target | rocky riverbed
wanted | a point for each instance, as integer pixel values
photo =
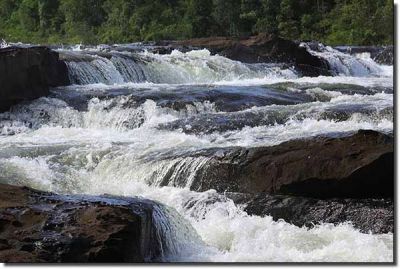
(165, 152)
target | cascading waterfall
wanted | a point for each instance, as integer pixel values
(130, 70)
(345, 64)
(130, 129)
(191, 67)
(98, 70)
(198, 66)
(175, 234)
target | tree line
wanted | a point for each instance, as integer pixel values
(351, 22)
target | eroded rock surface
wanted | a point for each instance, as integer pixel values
(43, 227)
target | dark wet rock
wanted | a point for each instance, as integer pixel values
(263, 48)
(385, 56)
(28, 73)
(43, 227)
(368, 215)
(355, 166)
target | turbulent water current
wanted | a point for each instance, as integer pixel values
(131, 116)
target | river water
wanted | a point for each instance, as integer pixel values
(130, 121)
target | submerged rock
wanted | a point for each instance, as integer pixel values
(28, 73)
(43, 227)
(263, 48)
(358, 166)
(368, 215)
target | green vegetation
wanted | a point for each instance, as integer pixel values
(352, 22)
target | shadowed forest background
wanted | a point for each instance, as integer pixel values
(334, 22)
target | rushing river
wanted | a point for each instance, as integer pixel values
(125, 126)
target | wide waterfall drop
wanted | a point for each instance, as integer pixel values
(197, 66)
(136, 123)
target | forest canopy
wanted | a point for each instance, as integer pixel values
(334, 22)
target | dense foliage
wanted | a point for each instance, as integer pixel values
(359, 22)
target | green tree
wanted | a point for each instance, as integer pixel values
(383, 22)
(288, 23)
(82, 19)
(117, 27)
(249, 13)
(267, 22)
(28, 15)
(199, 15)
(226, 14)
(355, 22)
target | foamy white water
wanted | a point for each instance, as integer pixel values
(118, 144)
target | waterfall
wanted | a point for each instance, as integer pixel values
(345, 64)
(98, 70)
(175, 235)
(97, 65)
(88, 67)
(130, 70)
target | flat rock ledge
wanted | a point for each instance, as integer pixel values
(359, 165)
(43, 227)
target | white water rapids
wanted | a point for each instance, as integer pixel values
(110, 132)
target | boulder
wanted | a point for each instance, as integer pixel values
(263, 48)
(367, 215)
(28, 73)
(357, 166)
(43, 227)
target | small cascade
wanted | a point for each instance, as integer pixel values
(98, 70)
(130, 70)
(177, 172)
(174, 234)
(345, 64)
